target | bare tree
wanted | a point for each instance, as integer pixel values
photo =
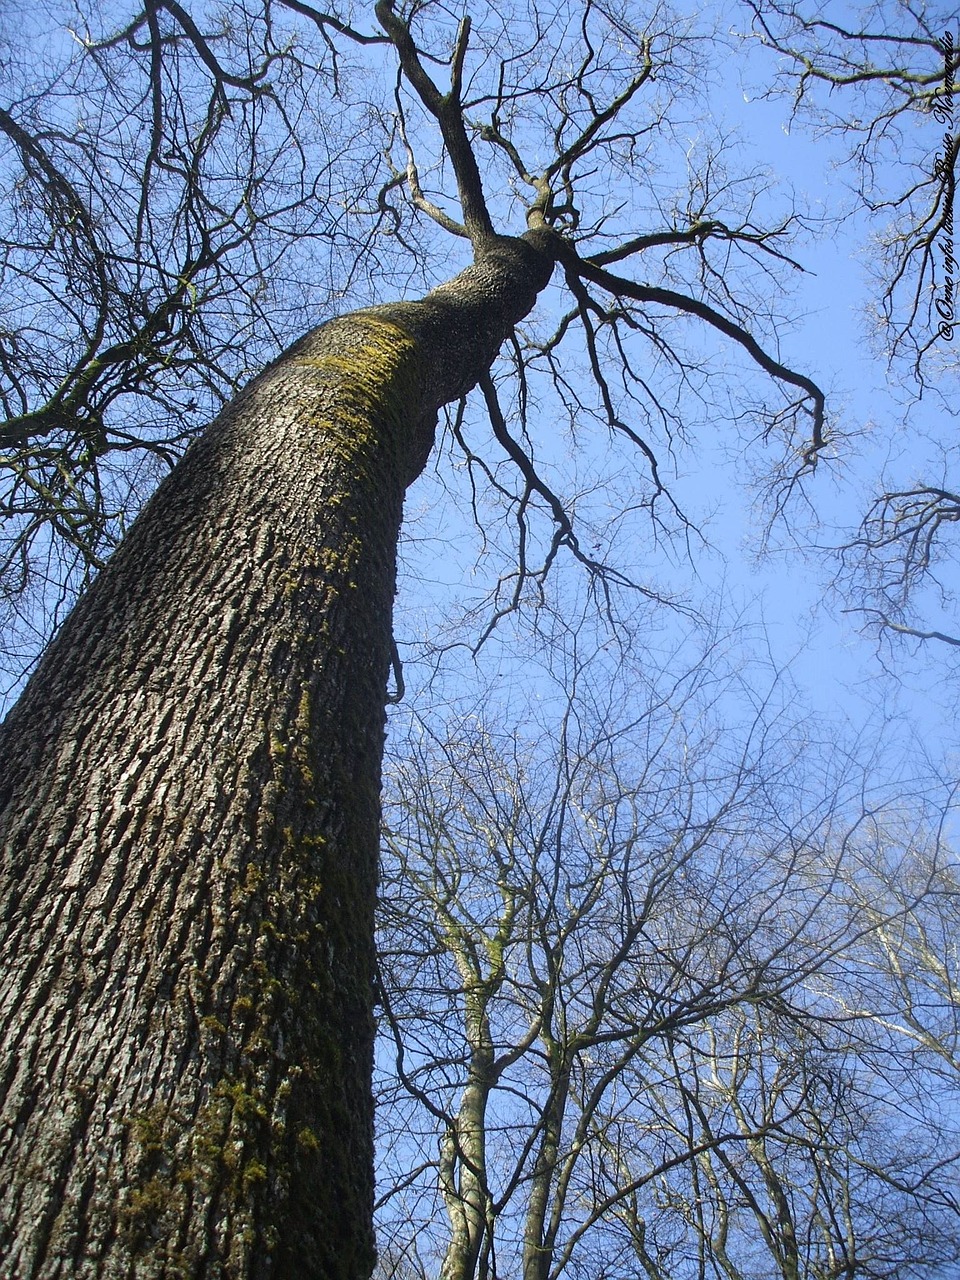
(606, 947)
(161, 249)
(886, 84)
(190, 780)
(788, 1160)
(871, 80)
(161, 187)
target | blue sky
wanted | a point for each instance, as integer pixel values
(780, 587)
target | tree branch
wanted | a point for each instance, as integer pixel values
(446, 110)
(623, 288)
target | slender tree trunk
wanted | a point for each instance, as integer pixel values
(463, 1184)
(538, 1236)
(189, 805)
(463, 1156)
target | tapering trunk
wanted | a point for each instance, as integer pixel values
(189, 805)
(463, 1167)
(539, 1234)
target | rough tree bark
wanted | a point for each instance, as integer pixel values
(189, 804)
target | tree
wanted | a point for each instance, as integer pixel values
(190, 780)
(885, 82)
(633, 1022)
(161, 205)
(871, 80)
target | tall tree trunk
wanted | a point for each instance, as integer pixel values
(539, 1235)
(189, 805)
(463, 1149)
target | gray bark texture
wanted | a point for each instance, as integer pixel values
(189, 808)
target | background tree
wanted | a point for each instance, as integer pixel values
(160, 203)
(885, 83)
(190, 780)
(633, 1022)
(883, 80)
